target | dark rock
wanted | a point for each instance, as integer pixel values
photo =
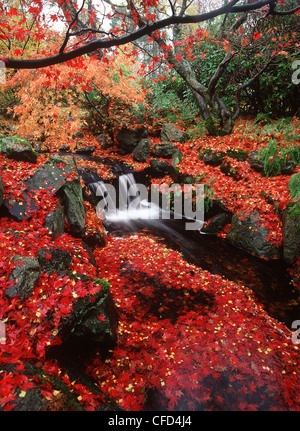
(72, 199)
(217, 223)
(240, 155)
(24, 275)
(105, 141)
(11, 128)
(40, 147)
(247, 233)
(86, 150)
(169, 132)
(213, 158)
(255, 162)
(19, 149)
(78, 135)
(142, 150)
(164, 150)
(174, 170)
(128, 139)
(50, 176)
(288, 168)
(22, 209)
(159, 168)
(82, 330)
(54, 259)
(65, 148)
(291, 233)
(55, 221)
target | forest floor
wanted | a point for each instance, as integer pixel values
(188, 339)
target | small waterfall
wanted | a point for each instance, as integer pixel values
(130, 202)
(127, 210)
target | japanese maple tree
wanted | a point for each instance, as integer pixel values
(90, 29)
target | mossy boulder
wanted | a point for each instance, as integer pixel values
(291, 233)
(23, 277)
(170, 132)
(93, 322)
(247, 233)
(210, 157)
(142, 150)
(18, 148)
(164, 149)
(53, 259)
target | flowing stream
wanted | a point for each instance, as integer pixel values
(268, 280)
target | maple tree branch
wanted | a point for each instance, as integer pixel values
(219, 72)
(148, 29)
(285, 12)
(67, 37)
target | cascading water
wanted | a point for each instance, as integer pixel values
(132, 204)
(126, 210)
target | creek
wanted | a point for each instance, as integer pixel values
(268, 280)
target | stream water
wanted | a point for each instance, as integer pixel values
(268, 280)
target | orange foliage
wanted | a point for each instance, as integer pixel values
(51, 99)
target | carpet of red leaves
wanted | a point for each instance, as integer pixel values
(188, 340)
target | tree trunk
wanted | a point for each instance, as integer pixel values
(217, 117)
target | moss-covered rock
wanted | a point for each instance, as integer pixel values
(142, 150)
(169, 132)
(53, 259)
(164, 149)
(291, 233)
(23, 277)
(93, 322)
(247, 233)
(18, 148)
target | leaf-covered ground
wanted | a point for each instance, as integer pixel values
(188, 339)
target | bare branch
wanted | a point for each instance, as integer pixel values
(148, 29)
(67, 37)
